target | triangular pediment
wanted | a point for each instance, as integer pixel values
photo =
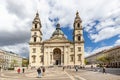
(57, 39)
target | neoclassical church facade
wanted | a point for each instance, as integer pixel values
(57, 50)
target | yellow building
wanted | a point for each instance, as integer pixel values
(9, 59)
(57, 50)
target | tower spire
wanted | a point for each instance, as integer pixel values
(36, 19)
(77, 18)
(37, 14)
(77, 13)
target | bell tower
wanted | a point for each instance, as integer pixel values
(78, 41)
(35, 44)
(36, 34)
(77, 33)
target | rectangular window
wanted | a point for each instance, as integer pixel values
(41, 58)
(34, 58)
(79, 49)
(34, 50)
(79, 57)
(71, 49)
(71, 58)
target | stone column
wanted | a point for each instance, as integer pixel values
(62, 58)
(51, 58)
(45, 57)
(75, 54)
(48, 58)
(45, 60)
(65, 56)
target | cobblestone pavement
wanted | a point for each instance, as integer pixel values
(58, 74)
(51, 74)
(94, 75)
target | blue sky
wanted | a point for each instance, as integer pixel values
(100, 21)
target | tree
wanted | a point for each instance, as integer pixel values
(1, 61)
(85, 61)
(103, 59)
(14, 63)
(25, 62)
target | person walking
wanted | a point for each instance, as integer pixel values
(23, 70)
(39, 72)
(76, 68)
(104, 71)
(0, 69)
(91, 66)
(43, 70)
(18, 70)
(63, 68)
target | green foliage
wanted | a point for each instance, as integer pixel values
(2, 60)
(85, 61)
(103, 59)
(10, 68)
(25, 63)
(14, 63)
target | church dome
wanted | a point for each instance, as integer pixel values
(58, 30)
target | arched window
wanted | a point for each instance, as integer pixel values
(79, 38)
(40, 39)
(78, 25)
(34, 39)
(35, 25)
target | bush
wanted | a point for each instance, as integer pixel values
(10, 68)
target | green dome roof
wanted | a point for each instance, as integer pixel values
(58, 31)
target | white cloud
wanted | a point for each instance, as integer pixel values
(21, 49)
(117, 42)
(119, 36)
(96, 50)
(18, 15)
(89, 50)
(105, 33)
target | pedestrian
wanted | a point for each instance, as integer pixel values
(104, 71)
(39, 72)
(0, 69)
(23, 70)
(91, 66)
(43, 70)
(18, 70)
(76, 68)
(63, 68)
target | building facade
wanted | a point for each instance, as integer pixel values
(57, 50)
(9, 60)
(109, 57)
(113, 55)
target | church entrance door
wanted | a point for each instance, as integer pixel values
(57, 56)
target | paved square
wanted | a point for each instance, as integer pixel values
(58, 74)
